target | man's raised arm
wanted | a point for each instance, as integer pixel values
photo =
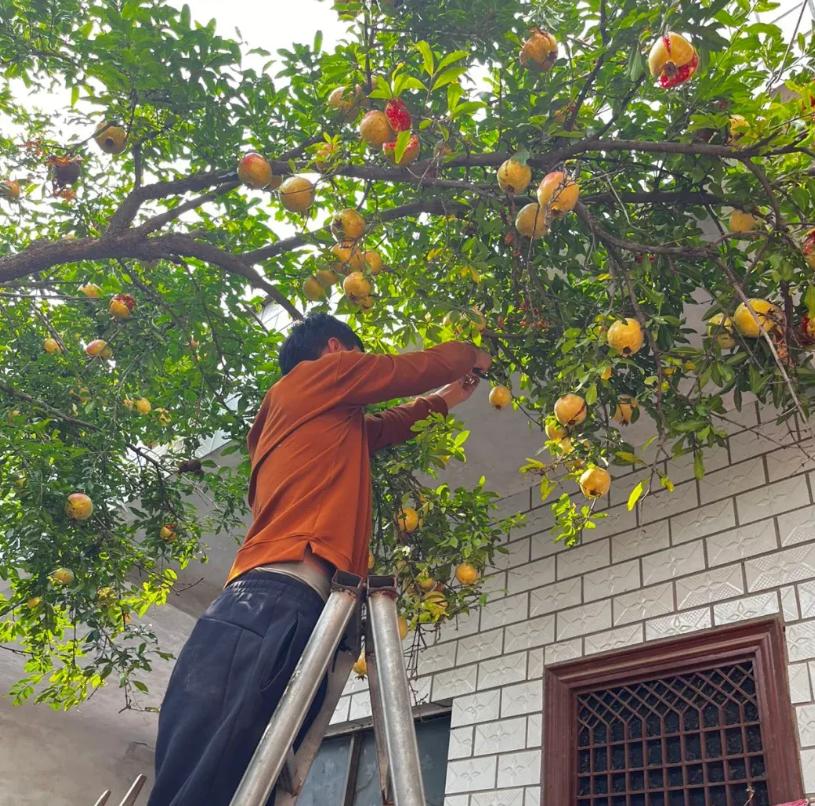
(364, 378)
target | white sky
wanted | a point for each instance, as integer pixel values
(270, 25)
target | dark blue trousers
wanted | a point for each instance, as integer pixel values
(227, 681)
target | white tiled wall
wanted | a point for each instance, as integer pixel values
(738, 545)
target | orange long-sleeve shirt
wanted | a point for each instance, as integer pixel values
(310, 446)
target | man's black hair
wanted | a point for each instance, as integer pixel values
(309, 338)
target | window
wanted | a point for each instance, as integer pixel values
(704, 720)
(345, 771)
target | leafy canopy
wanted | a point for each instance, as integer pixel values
(167, 222)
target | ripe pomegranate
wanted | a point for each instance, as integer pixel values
(539, 51)
(558, 194)
(410, 154)
(373, 261)
(347, 225)
(808, 248)
(500, 397)
(345, 101)
(466, 573)
(625, 336)
(79, 507)
(514, 176)
(721, 327)
(111, 139)
(255, 171)
(10, 189)
(297, 194)
(64, 171)
(806, 331)
(398, 115)
(595, 482)
(408, 520)
(51, 346)
(768, 316)
(531, 221)
(98, 348)
(375, 129)
(626, 409)
(742, 222)
(356, 286)
(348, 258)
(313, 289)
(673, 60)
(91, 290)
(121, 306)
(570, 410)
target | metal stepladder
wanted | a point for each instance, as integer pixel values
(337, 638)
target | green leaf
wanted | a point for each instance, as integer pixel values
(402, 141)
(446, 77)
(635, 495)
(427, 57)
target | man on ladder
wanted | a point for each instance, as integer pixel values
(310, 496)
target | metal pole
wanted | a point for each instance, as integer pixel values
(375, 692)
(277, 740)
(400, 733)
(103, 798)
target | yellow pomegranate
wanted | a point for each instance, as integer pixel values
(324, 155)
(673, 60)
(313, 289)
(403, 627)
(79, 507)
(111, 139)
(721, 327)
(768, 316)
(408, 520)
(425, 582)
(539, 51)
(606, 373)
(348, 258)
(348, 225)
(570, 410)
(371, 560)
(558, 194)
(626, 408)
(375, 130)
(373, 261)
(167, 533)
(10, 189)
(595, 482)
(98, 348)
(514, 176)
(297, 194)
(625, 336)
(531, 221)
(742, 222)
(345, 101)
(466, 573)
(62, 576)
(356, 286)
(737, 127)
(51, 346)
(555, 431)
(34, 602)
(361, 666)
(326, 277)
(364, 303)
(91, 290)
(500, 397)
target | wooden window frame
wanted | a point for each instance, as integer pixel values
(761, 641)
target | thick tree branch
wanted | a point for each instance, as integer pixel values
(632, 246)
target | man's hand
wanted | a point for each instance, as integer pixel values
(458, 391)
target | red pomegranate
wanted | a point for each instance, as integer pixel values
(398, 115)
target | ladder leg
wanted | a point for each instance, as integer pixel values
(133, 792)
(385, 789)
(400, 732)
(277, 740)
(103, 798)
(294, 773)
